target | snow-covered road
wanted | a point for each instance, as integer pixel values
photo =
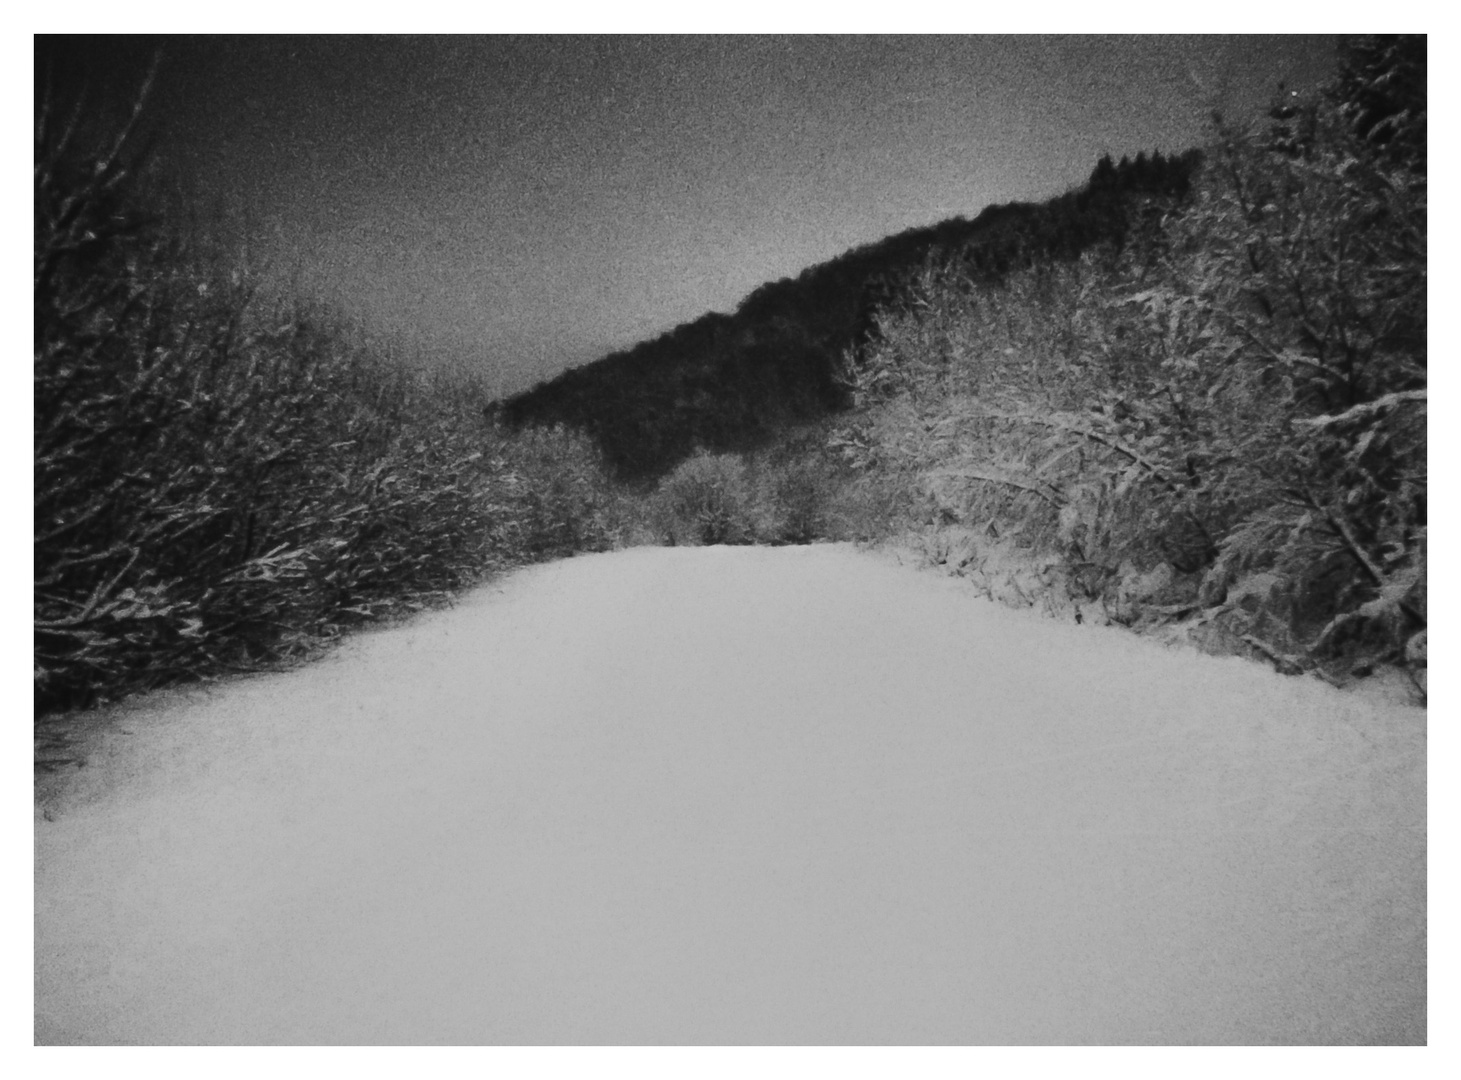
(741, 795)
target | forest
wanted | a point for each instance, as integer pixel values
(1189, 397)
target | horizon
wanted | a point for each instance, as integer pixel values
(522, 205)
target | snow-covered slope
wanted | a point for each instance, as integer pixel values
(734, 795)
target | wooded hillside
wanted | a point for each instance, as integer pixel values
(731, 381)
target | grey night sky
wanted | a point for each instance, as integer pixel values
(530, 203)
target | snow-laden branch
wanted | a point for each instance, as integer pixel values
(1365, 408)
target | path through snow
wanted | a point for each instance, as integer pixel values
(741, 795)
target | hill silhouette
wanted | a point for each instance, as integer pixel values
(732, 381)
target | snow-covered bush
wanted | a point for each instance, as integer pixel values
(706, 500)
(550, 495)
(1242, 402)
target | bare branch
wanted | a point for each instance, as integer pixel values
(1365, 408)
(124, 136)
(996, 478)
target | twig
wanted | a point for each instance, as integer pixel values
(1104, 440)
(1286, 664)
(1340, 526)
(1365, 408)
(974, 474)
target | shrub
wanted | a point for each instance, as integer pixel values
(796, 501)
(219, 486)
(551, 495)
(705, 500)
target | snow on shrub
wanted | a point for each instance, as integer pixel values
(706, 500)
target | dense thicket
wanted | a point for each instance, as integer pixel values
(1226, 427)
(224, 480)
(731, 382)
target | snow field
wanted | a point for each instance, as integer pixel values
(741, 795)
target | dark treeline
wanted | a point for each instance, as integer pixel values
(732, 382)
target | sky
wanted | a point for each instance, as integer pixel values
(524, 204)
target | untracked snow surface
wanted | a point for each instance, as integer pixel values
(740, 795)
